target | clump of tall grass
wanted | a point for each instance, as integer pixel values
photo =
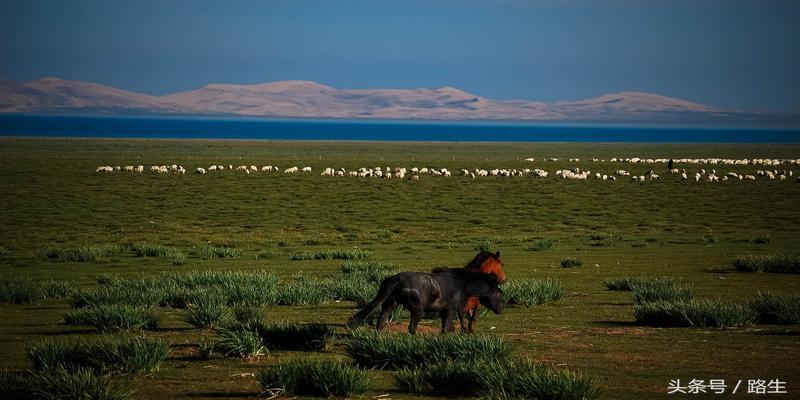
(114, 317)
(88, 253)
(540, 245)
(482, 245)
(624, 283)
(357, 289)
(62, 384)
(106, 278)
(241, 341)
(310, 377)
(283, 335)
(302, 292)
(700, 313)
(207, 251)
(126, 354)
(571, 262)
(334, 254)
(207, 310)
(776, 308)
(660, 289)
(372, 350)
(147, 249)
(267, 254)
(512, 379)
(22, 290)
(608, 238)
(372, 271)
(249, 314)
(530, 292)
(786, 262)
(108, 294)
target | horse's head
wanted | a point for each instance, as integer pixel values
(493, 265)
(493, 300)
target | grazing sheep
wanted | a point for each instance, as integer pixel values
(306, 169)
(139, 168)
(655, 177)
(199, 170)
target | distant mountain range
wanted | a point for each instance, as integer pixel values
(312, 100)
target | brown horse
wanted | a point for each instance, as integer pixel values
(488, 263)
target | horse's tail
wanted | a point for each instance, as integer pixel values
(387, 287)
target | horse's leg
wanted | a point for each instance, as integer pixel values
(416, 316)
(386, 310)
(450, 323)
(461, 314)
(473, 315)
(443, 316)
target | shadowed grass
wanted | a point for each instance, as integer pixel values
(310, 377)
(372, 350)
(146, 249)
(287, 336)
(776, 308)
(114, 317)
(785, 263)
(512, 379)
(699, 313)
(530, 292)
(126, 354)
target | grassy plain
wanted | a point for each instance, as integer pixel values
(50, 195)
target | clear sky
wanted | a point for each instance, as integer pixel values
(734, 54)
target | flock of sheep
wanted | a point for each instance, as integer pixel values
(574, 173)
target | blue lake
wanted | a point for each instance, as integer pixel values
(312, 129)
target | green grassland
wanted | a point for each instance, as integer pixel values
(52, 198)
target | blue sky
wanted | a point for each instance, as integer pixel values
(727, 53)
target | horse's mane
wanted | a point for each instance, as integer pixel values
(479, 259)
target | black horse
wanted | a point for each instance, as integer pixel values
(444, 291)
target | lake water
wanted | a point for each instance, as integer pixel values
(310, 129)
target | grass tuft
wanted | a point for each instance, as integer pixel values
(114, 317)
(699, 313)
(310, 377)
(482, 245)
(786, 263)
(660, 289)
(127, 354)
(372, 350)
(88, 253)
(21, 290)
(571, 262)
(207, 251)
(241, 341)
(540, 245)
(513, 379)
(334, 254)
(207, 310)
(62, 384)
(530, 292)
(775, 308)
